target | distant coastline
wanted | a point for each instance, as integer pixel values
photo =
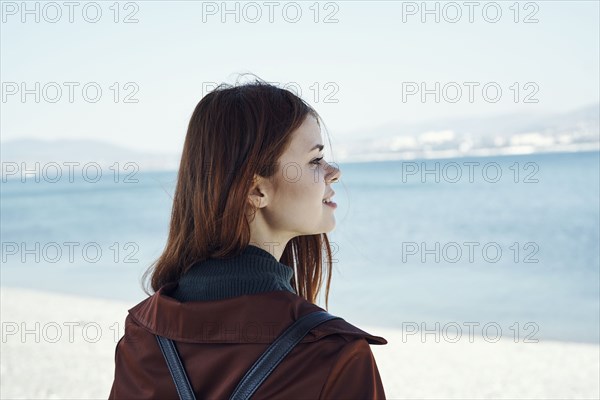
(486, 152)
(513, 134)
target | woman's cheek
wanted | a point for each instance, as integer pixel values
(314, 175)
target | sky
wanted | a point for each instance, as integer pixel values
(356, 62)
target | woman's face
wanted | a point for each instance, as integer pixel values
(292, 201)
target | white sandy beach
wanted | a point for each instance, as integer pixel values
(70, 355)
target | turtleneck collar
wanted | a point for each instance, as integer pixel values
(254, 270)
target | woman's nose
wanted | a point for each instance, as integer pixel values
(334, 174)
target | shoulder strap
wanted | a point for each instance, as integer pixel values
(260, 370)
(276, 352)
(169, 351)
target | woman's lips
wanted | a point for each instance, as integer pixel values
(330, 204)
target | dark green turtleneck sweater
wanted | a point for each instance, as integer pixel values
(253, 271)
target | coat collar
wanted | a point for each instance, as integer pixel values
(253, 318)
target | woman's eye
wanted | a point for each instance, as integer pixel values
(317, 160)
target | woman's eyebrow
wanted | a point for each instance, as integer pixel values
(318, 146)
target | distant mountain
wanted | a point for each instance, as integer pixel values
(518, 133)
(30, 151)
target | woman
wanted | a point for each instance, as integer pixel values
(244, 260)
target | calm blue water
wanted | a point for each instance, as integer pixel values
(539, 228)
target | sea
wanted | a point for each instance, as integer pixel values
(502, 246)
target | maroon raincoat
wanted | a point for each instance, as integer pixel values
(218, 341)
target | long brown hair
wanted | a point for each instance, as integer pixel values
(235, 132)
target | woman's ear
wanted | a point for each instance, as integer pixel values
(258, 195)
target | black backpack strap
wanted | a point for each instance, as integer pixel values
(260, 370)
(276, 352)
(169, 351)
